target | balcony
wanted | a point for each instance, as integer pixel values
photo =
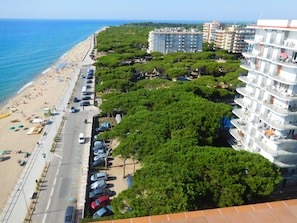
(274, 153)
(279, 110)
(242, 102)
(282, 94)
(239, 123)
(237, 145)
(243, 91)
(272, 75)
(239, 136)
(277, 124)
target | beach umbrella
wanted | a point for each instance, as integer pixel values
(20, 126)
(284, 55)
(12, 128)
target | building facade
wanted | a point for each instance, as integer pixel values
(209, 31)
(232, 38)
(170, 40)
(265, 117)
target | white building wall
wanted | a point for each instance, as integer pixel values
(270, 94)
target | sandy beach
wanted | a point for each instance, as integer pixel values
(20, 126)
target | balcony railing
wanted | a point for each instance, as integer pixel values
(282, 94)
(277, 124)
(275, 153)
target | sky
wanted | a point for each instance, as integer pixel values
(150, 10)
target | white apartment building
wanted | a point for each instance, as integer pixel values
(169, 40)
(266, 111)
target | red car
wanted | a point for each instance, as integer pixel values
(100, 202)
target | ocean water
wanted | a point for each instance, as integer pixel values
(29, 47)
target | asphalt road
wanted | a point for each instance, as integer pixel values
(62, 184)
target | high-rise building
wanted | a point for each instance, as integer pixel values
(232, 38)
(266, 112)
(169, 40)
(209, 31)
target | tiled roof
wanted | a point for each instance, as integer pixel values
(270, 212)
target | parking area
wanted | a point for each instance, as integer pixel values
(116, 173)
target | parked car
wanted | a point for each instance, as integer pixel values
(75, 99)
(106, 124)
(99, 144)
(100, 202)
(100, 156)
(91, 71)
(90, 76)
(99, 176)
(98, 184)
(95, 138)
(85, 103)
(103, 127)
(100, 192)
(89, 81)
(69, 214)
(86, 98)
(99, 151)
(102, 212)
(72, 109)
(99, 162)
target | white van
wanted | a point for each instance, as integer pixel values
(81, 138)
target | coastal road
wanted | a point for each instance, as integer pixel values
(63, 182)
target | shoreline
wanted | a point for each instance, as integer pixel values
(46, 90)
(37, 77)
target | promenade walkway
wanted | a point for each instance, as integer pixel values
(20, 198)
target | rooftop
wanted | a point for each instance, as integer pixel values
(270, 212)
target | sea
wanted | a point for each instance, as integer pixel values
(28, 47)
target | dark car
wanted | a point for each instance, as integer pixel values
(100, 192)
(85, 103)
(102, 212)
(69, 214)
(100, 202)
(89, 81)
(101, 129)
(72, 109)
(99, 162)
(90, 76)
(84, 98)
(76, 99)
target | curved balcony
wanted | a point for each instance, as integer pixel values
(278, 125)
(239, 123)
(242, 102)
(279, 110)
(281, 94)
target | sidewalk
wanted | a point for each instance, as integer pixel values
(19, 201)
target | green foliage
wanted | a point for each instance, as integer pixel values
(172, 128)
(178, 178)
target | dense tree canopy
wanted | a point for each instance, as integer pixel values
(173, 128)
(180, 178)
